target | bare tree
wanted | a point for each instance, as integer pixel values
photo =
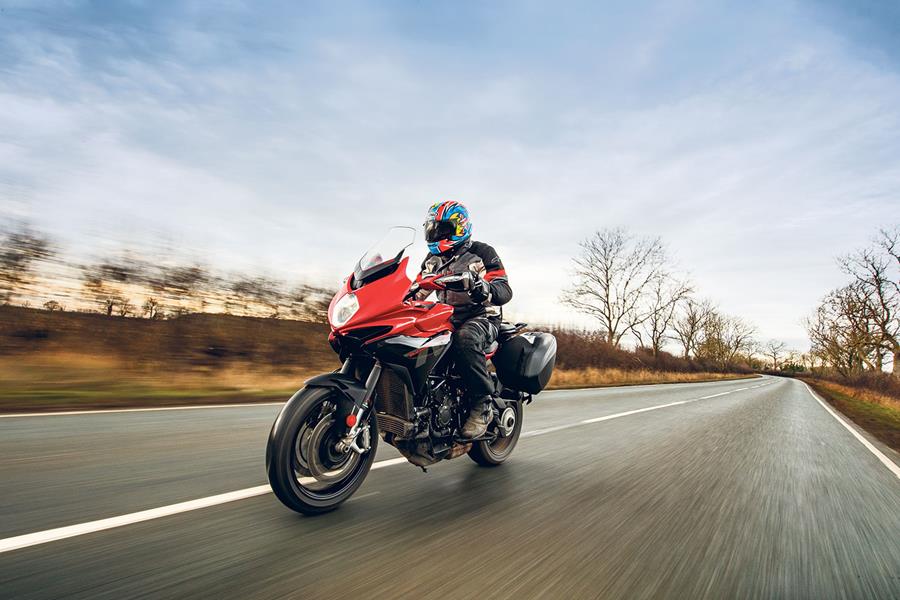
(105, 281)
(775, 350)
(151, 308)
(889, 241)
(20, 250)
(125, 308)
(662, 298)
(53, 306)
(309, 303)
(184, 288)
(612, 276)
(725, 339)
(793, 358)
(876, 274)
(688, 325)
(842, 334)
(255, 296)
(101, 294)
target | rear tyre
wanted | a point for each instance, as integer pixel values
(305, 471)
(491, 454)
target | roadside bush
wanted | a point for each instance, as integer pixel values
(583, 349)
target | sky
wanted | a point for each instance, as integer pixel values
(758, 140)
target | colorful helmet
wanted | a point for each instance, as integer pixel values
(447, 227)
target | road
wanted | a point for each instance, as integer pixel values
(741, 489)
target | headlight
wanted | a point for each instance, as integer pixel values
(344, 310)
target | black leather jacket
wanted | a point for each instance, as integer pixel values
(482, 260)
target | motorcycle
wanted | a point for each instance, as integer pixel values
(396, 383)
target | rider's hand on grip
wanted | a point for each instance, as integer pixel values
(461, 282)
(413, 290)
(480, 290)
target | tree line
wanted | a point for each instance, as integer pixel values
(630, 286)
(33, 271)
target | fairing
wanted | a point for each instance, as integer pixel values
(381, 303)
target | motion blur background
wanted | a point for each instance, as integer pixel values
(759, 139)
(164, 160)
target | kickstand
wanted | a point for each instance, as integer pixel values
(424, 470)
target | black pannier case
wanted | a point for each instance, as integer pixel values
(525, 362)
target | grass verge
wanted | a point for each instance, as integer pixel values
(592, 377)
(72, 382)
(876, 413)
(78, 382)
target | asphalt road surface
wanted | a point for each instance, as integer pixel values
(742, 489)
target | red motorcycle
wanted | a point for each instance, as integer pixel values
(398, 383)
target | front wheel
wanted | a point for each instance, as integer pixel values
(495, 452)
(306, 471)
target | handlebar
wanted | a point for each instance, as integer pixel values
(461, 282)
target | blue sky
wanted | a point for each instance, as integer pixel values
(758, 139)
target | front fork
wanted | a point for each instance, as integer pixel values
(358, 419)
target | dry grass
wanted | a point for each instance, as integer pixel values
(874, 412)
(862, 395)
(60, 381)
(64, 369)
(592, 377)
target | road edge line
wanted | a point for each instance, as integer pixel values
(881, 456)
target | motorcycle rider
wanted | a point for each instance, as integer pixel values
(476, 312)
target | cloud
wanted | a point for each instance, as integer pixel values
(282, 139)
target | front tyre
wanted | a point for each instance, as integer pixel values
(493, 453)
(305, 470)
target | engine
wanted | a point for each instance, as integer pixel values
(428, 438)
(444, 403)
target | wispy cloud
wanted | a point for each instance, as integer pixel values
(758, 140)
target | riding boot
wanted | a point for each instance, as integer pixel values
(479, 417)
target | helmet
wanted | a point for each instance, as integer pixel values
(447, 227)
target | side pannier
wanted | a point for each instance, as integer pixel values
(525, 362)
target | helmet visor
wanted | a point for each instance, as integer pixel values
(436, 231)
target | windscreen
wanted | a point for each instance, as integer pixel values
(384, 256)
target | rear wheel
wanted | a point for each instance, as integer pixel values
(493, 453)
(306, 471)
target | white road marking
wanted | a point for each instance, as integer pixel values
(622, 414)
(714, 396)
(528, 434)
(129, 410)
(61, 533)
(891, 465)
(363, 496)
(636, 411)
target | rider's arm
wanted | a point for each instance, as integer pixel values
(494, 275)
(421, 295)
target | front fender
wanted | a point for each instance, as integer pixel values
(350, 393)
(349, 386)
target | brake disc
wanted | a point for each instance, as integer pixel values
(300, 455)
(325, 462)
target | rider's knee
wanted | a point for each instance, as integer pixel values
(466, 339)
